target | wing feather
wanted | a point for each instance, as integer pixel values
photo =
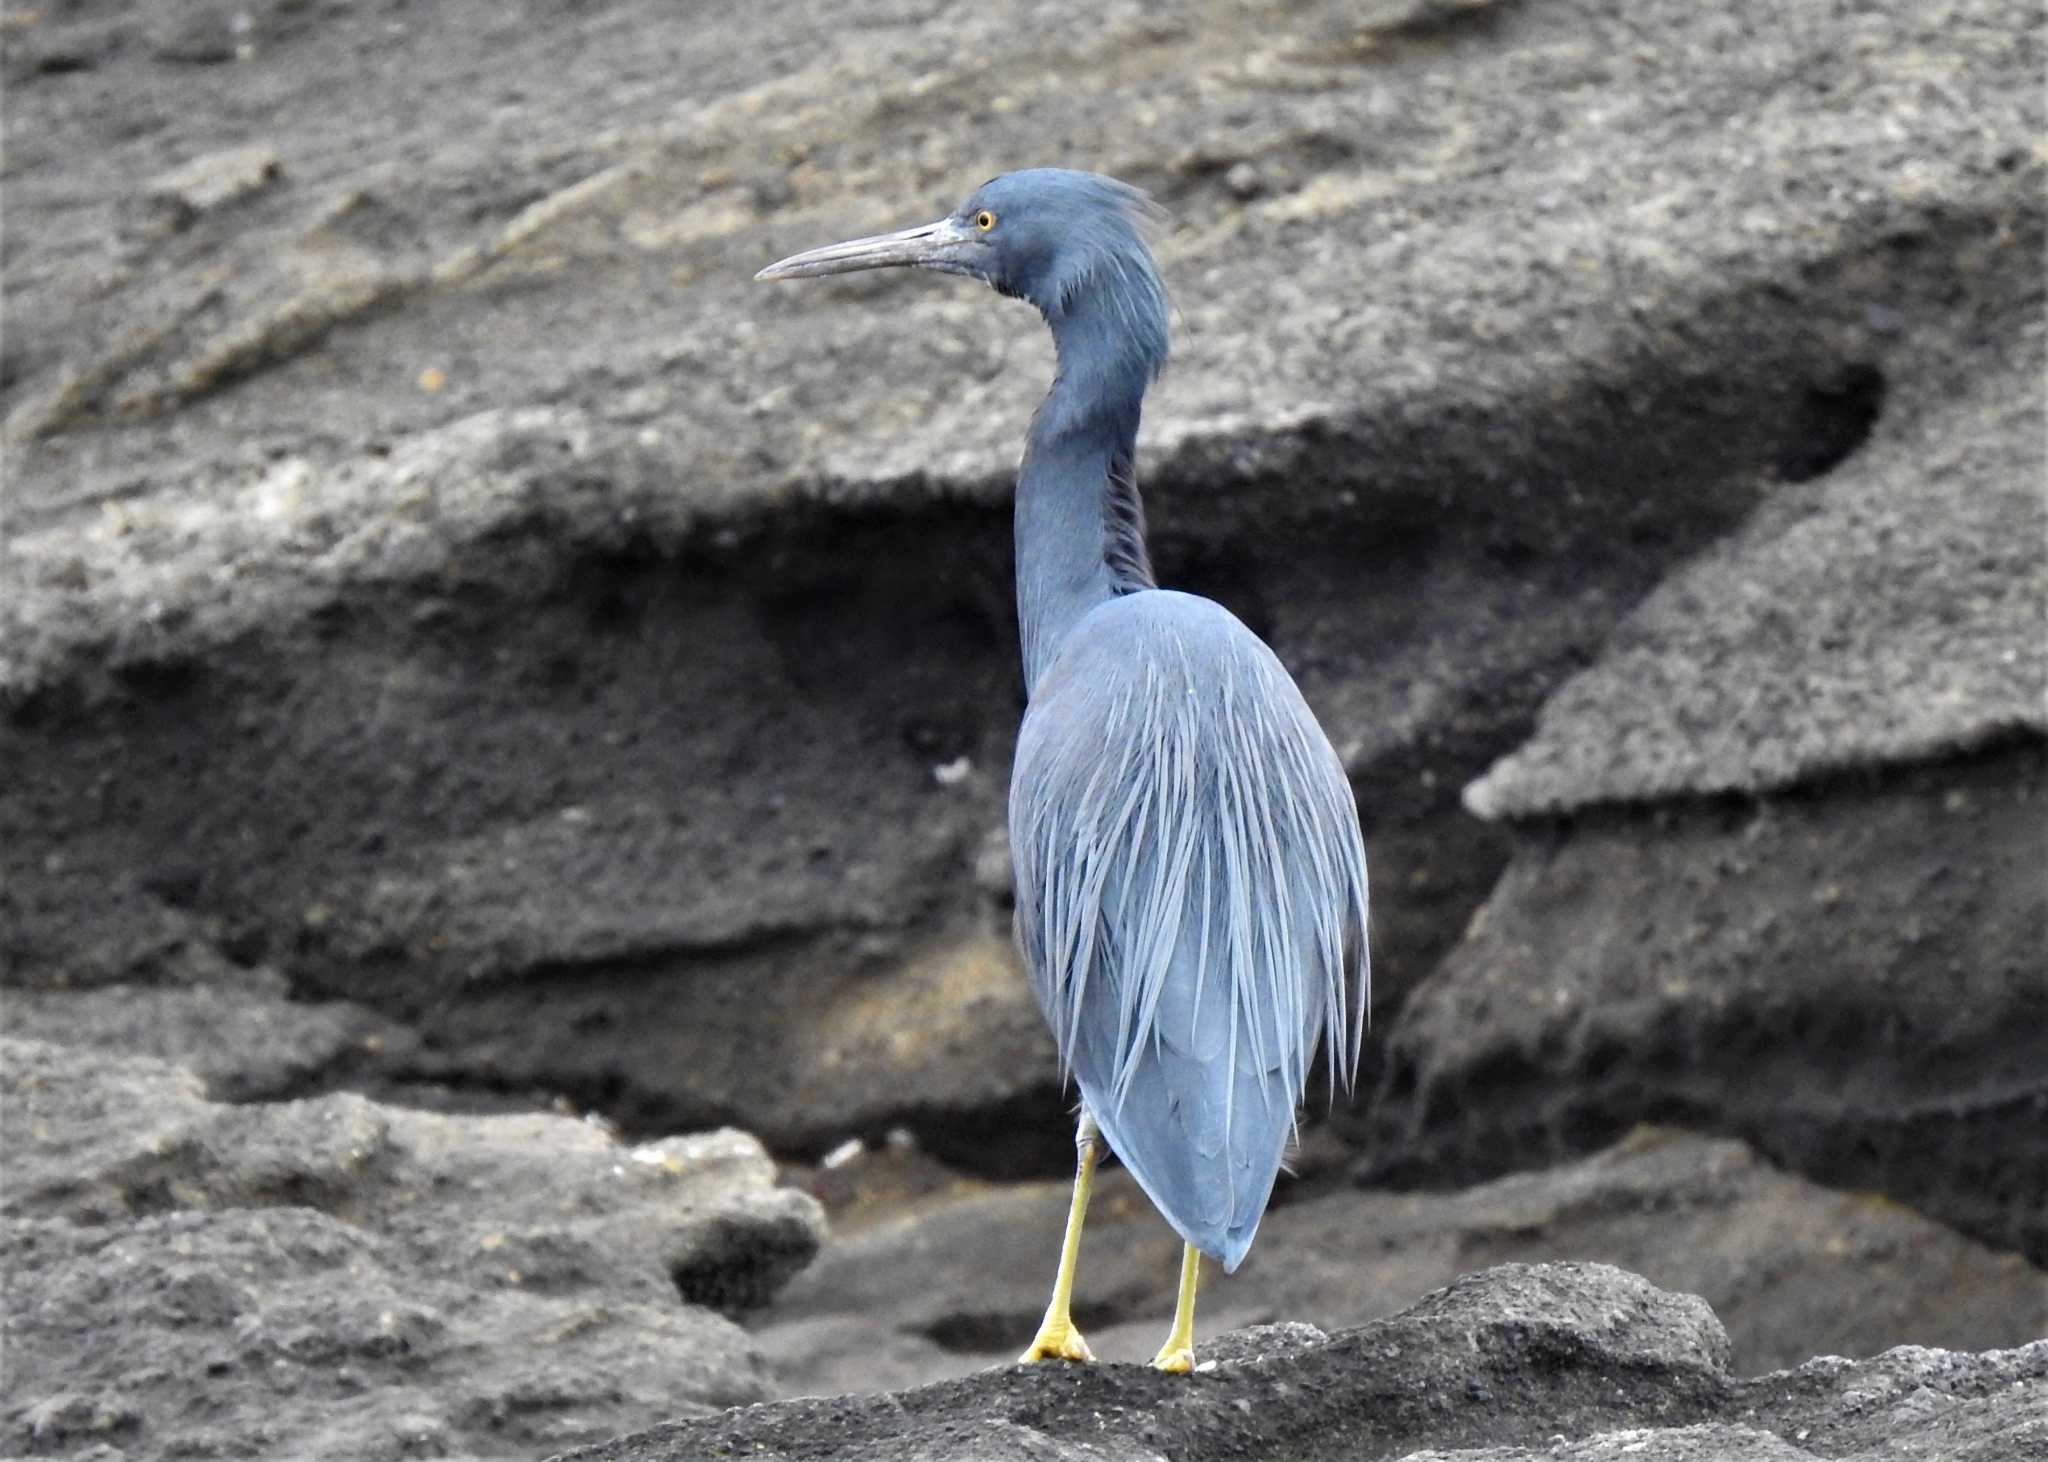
(1191, 899)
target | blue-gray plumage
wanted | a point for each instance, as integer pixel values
(1191, 887)
(1190, 898)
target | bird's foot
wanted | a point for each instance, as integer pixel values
(1179, 1359)
(1057, 1340)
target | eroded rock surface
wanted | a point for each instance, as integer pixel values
(1793, 1270)
(1779, 872)
(459, 638)
(341, 1279)
(1885, 614)
(449, 540)
(1849, 975)
(1546, 1358)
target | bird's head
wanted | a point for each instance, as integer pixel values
(1070, 243)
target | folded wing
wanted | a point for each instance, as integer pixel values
(1191, 900)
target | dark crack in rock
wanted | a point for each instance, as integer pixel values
(1849, 976)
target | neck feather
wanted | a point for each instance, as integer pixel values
(1080, 522)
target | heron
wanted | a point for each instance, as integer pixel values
(1190, 875)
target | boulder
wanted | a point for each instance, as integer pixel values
(1517, 1361)
(1850, 978)
(953, 1281)
(1781, 874)
(343, 1279)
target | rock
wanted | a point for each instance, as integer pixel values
(243, 1038)
(891, 1017)
(201, 35)
(522, 689)
(36, 44)
(958, 1282)
(1910, 1402)
(345, 1279)
(214, 181)
(457, 634)
(1711, 1442)
(1849, 976)
(1261, 1342)
(1516, 1353)
(1888, 613)
(1517, 1362)
(1842, 964)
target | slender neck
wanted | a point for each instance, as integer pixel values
(1080, 523)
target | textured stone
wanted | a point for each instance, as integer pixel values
(215, 180)
(241, 1035)
(449, 576)
(959, 1280)
(455, 630)
(1509, 1365)
(1849, 976)
(1710, 1442)
(344, 1279)
(1890, 612)
(1513, 1354)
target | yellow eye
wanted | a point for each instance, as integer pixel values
(984, 220)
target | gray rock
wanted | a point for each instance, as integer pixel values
(496, 588)
(242, 1036)
(1511, 1365)
(1849, 976)
(1513, 1354)
(1910, 1402)
(958, 1282)
(344, 1279)
(1890, 612)
(200, 35)
(214, 180)
(1261, 1342)
(1709, 1442)
(1845, 970)
(1526, 1341)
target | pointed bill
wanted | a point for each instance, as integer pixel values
(942, 245)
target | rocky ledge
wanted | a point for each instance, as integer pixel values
(464, 645)
(336, 1278)
(1575, 1361)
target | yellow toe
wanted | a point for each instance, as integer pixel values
(1180, 1359)
(1057, 1342)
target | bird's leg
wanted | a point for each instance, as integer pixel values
(1056, 1333)
(1178, 1354)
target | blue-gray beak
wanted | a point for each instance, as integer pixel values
(947, 245)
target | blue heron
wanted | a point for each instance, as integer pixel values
(1190, 878)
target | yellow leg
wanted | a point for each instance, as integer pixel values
(1057, 1336)
(1178, 1354)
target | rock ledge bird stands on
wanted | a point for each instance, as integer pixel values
(1191, 895)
